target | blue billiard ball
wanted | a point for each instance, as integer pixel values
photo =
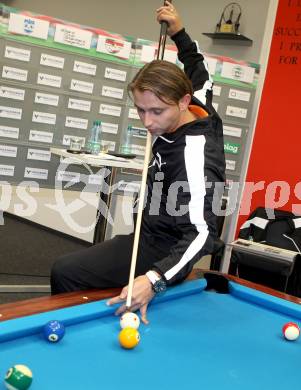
(54, 331)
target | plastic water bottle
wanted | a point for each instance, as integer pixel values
(126, 146)
(94, 140)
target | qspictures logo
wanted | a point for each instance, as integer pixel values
(277, 194)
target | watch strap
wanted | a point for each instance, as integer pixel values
(158, 283)
(152, 277)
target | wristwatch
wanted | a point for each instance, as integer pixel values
(157, 282)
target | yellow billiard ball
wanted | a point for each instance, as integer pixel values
(129, 338)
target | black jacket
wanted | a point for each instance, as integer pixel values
(178, 214)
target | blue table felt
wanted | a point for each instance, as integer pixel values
(196, 339)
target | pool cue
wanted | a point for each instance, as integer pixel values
(138, 221)
(160, 55)
(162, 41)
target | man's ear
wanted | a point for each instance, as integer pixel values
(184, 102)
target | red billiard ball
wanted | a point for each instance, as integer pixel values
(291, 331)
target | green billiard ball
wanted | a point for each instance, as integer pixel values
(18, 377)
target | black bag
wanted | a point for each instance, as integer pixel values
(277, 228)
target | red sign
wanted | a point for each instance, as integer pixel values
(274, 172)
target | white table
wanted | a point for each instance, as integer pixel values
(101, 160)
(112, 163)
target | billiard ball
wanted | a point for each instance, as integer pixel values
(291, 331)
(129, 338)
(18, 377)
(54, 331)
(129, 320)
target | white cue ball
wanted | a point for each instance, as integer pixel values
(129, 320)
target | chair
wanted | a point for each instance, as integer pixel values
(269, 252)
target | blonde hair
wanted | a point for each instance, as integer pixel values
(166, 80)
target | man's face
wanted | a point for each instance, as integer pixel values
(158, 117)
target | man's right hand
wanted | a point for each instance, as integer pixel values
(168, 13)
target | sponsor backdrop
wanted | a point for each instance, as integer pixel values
(58, 77)
(274, 162)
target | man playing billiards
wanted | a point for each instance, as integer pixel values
(178, 223)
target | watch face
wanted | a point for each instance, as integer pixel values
(159, 286)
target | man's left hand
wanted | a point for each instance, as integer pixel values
(141, 296)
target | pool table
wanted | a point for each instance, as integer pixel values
(211, 333)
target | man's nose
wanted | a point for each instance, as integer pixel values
(148, 120)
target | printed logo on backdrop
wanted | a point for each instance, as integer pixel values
(116, 93)
(81, 86)
(138, 149)
(232, 131)
(9, 132)
(40, 136)
(48, 79)
(52, 61)
(115, 74)
(25, 25)
(112, 46)
(111, 128)
(133, 113)
(38, 154)
(36, 173)
(80, 105)
(8, 151)
(216, 90)
(238, 112)
(10, 112)
(72, 36)
(14, 73)
(17, 53)
(46, 98)
(230, 165)
(71, 177)
(29, 25)
(107, 109)
(12, 93)
(43, 117)
(116, 47)
(139, 132)
(78, 123)
(84, 67)
(237, 72)
(239, 95)
(67, 140)
(7, 170)
(231, 148)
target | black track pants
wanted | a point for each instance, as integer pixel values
(103, 265)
